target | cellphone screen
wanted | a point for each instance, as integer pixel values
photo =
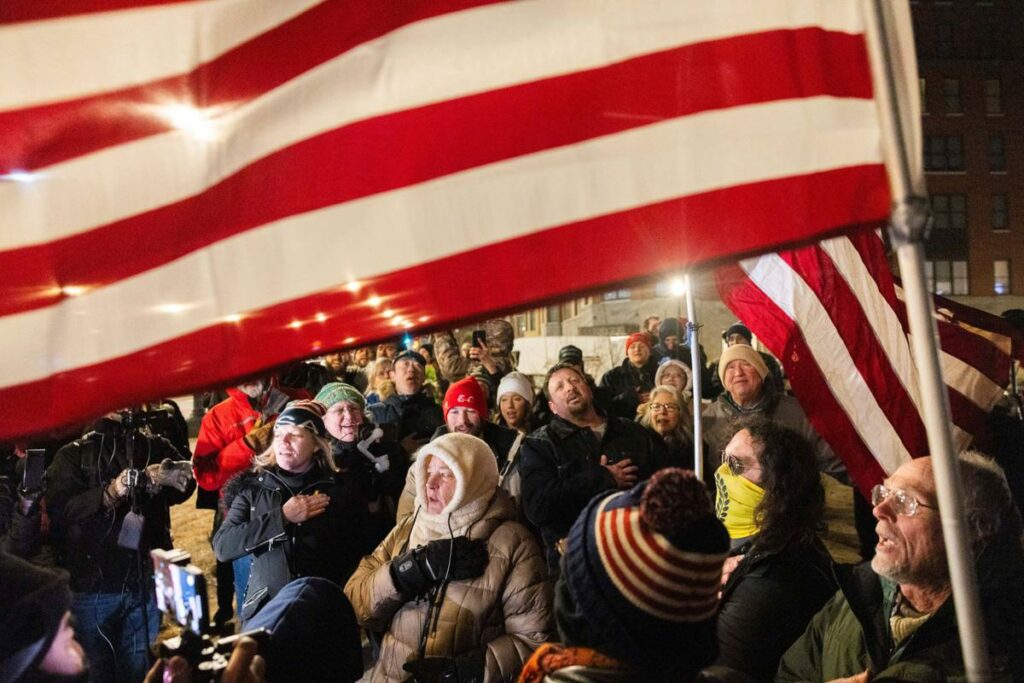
(35, 463)
(479, 338)
(181, 593)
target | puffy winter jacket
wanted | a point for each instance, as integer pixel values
(507, 610)
(221, 451)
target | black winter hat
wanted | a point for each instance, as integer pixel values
(570, 354)
(738, 328)
(33, 602)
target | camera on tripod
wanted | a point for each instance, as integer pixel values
(181, 593)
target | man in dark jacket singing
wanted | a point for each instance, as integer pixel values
(578, 455)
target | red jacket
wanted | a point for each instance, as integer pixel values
(221, 451)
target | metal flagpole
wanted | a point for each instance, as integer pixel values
(693, 335)
(908, 230)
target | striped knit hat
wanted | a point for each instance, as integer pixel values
(645, 568)
(307, 414)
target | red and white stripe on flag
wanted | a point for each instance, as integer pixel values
(831, 313)
(194, 191)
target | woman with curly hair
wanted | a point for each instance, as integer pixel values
(771, 500)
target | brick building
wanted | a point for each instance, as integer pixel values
(971, 65)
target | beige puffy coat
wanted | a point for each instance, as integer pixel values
(507, 609)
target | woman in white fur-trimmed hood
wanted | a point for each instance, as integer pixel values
(459, 586)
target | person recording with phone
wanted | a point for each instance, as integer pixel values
(109, 495)
(489, 356)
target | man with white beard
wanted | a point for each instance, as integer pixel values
(894, 619)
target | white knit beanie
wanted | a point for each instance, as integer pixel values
(516, 383)
(687, 390)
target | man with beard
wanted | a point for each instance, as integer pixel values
(894, 619)
(578, 455)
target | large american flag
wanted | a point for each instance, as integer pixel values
(834, 315)
(194, 191)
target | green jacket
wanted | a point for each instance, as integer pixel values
(851, 634)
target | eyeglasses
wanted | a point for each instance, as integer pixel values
(902, 502)
(670, 407)
(737, 466)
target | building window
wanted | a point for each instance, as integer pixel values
(996, 153)
(944, 39)
(616, 295)
(943, 153)
(993, 96)
(1001, 277)
(947, 277)
(951, 96)
(949, 211)
(1000, 212)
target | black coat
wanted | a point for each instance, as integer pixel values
(85, 532)
(401, 416)
(561, 471)
(625, 384)
(329, 545)
(768, 602)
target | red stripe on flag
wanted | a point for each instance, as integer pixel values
(36, 137)
(844, 310)
(12, 11)
(662, 237)
(779, 333)
(869, 245)
(414, 146)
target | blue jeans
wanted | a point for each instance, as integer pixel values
(242, 568)
(112, 632)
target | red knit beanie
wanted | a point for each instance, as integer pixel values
(638, 337)
(466, 393)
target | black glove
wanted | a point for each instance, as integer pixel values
(467, 668)
(417, 571)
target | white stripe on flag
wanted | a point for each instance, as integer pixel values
(82, 55)
(788, 291)
(876, 312)
(93, 53)
(162, 169)
(448, 215)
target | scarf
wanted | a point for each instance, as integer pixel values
(735, 501)
(476, 474)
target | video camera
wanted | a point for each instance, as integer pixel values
(181, 593)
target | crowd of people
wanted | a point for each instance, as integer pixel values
(432, 514)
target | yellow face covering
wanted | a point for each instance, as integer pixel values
(735, 501)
